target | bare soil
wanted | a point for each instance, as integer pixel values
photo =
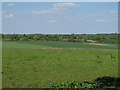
(100, 44)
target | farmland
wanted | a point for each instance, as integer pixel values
(36, 64)
(60, 45)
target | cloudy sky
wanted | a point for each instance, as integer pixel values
(60, 18)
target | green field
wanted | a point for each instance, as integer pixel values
(53, 44)
(33, 64)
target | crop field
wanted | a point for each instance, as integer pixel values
(36, 64)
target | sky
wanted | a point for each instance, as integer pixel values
(59, 18)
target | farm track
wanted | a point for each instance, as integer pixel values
(99, 44)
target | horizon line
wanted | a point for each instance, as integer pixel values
(63, 33)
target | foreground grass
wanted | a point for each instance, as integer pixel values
(26, 67)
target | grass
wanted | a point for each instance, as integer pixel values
(15, 44)
(54, 44)
(25, 67)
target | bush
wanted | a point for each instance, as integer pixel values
(100, 82)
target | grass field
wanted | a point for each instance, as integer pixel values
(37, 64)
(53, 44)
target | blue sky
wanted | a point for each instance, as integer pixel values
(60, 18)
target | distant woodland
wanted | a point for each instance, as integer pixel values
(84, 38)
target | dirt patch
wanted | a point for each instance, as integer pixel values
(54, 48)
(100, 44)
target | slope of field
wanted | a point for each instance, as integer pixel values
(14, 44)
(45, 44)
(25, 67)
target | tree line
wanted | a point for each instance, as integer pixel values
(87, 38)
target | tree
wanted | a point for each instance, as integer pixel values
(35, 38)
(23, 38)
(10, 37)
(73, 36)
(85, 40)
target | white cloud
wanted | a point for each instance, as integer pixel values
(57, 8)
(112, 12)
(11, 4)
(65, 5)
(52, 21)
(100, 20)
(9, 16)
(48, 11)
